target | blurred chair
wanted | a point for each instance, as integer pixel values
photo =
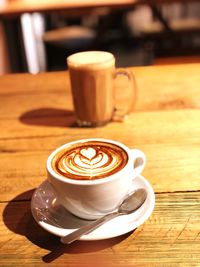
(33, 28)
(76, 37)
(76, 31)
(72, 31)
(176, 30)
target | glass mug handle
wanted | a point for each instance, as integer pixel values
(120, 111)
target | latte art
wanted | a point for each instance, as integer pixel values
(92, 160)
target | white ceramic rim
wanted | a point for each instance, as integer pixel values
(88, 182)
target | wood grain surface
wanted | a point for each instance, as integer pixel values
(36, 116)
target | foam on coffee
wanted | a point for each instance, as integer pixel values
(90, 160)
(91, 59)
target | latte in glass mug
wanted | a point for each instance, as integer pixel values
(93, 76)
(92, 176)
(89, 160)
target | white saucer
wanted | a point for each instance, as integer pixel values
(54, 218)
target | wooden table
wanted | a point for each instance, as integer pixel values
(36, 116)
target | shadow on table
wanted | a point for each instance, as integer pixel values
(18, 218)
(49, 117)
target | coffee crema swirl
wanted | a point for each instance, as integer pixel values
(91, 160)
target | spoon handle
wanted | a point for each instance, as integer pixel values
(88, 228)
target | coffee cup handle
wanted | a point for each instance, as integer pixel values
(139, 161)
(127, 93)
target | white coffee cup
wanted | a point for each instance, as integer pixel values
(90, 199)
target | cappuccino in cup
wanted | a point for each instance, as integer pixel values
(92, 76)
(92, 176)
(89, 161)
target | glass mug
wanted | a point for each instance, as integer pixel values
(93, 78)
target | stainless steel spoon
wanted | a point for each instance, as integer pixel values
(131, 203)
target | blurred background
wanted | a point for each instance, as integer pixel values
(138, 35)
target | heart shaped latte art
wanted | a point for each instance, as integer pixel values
(91, 161)
(88, 156)
(88, 153)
